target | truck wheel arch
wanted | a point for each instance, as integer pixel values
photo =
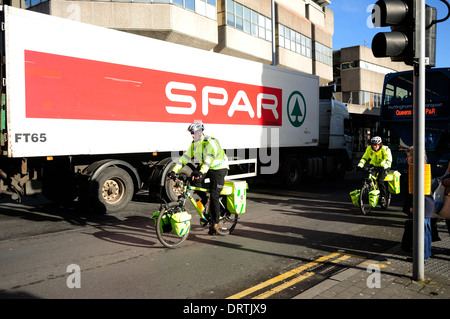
(127, 177)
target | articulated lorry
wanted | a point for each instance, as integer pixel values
(96, 114)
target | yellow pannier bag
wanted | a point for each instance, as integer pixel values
(373, 197)
(355, 197)
(181, 223)
(393, 181)
(165, 225)
(236, 192)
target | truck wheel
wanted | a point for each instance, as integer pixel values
(292, 172)
(339, 172)
(112, 190)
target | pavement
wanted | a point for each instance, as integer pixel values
(390, 276)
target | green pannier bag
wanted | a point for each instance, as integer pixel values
(393, 182)
(236, 192)
(373, 197)
(181, 223)
(166, 227)
(355, 197)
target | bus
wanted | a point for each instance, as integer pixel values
(396, 117)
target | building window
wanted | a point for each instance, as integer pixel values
(30, 3)
(189, 4)
(369, 99)
(324, 54)
(202, 7)
(375, 67)
(363, 98)
(349, 65)
(367, 66)
(248, 20)
(294, 41)
(205, 8)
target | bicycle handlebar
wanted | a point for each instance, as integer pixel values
(366, 168)
(183, 178)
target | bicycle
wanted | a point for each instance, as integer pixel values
(368, 196)
(173, 224)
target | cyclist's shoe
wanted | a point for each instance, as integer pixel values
(213, 229)
(383, 201)
(203, 222)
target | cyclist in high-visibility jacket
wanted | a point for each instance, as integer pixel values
(205, 152)
(380, 156)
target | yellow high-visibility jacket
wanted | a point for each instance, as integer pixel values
(380, 158)
(207, 153)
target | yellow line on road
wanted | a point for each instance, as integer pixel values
(338, 260)
(367, 263)
(283, 286)
(283, 276)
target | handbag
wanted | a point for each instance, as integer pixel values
(439, 197)
(445, 210)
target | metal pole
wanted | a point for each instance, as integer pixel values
(274, 53)
(419, 142)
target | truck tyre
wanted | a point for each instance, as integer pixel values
(339, 172)
(112, 190)
(292, 172)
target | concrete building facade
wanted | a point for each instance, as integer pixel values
(359, 78)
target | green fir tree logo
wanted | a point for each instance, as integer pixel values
(296, 108)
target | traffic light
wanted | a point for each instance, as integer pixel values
(430, 35)
(399, 43)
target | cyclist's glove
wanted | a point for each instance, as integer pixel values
(172, 175)
(196, 174)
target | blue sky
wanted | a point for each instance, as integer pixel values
(350, 27)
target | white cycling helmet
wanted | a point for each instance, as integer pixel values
(375, 140)
(196, 126)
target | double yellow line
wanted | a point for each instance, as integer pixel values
(287, 275)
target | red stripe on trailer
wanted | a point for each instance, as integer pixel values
(62, 87)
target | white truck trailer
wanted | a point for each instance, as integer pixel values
(93, 113)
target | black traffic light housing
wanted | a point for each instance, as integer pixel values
(430, 35)
(399, 43)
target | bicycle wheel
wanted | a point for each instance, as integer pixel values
(164, 230)
(227, 223)
(364, 204)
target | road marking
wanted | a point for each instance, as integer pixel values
(345, 257)
(368, 263)
(285, 276)
(283, 286)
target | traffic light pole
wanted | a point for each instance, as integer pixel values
(412, 36)
(419, 143)
(274, 52)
